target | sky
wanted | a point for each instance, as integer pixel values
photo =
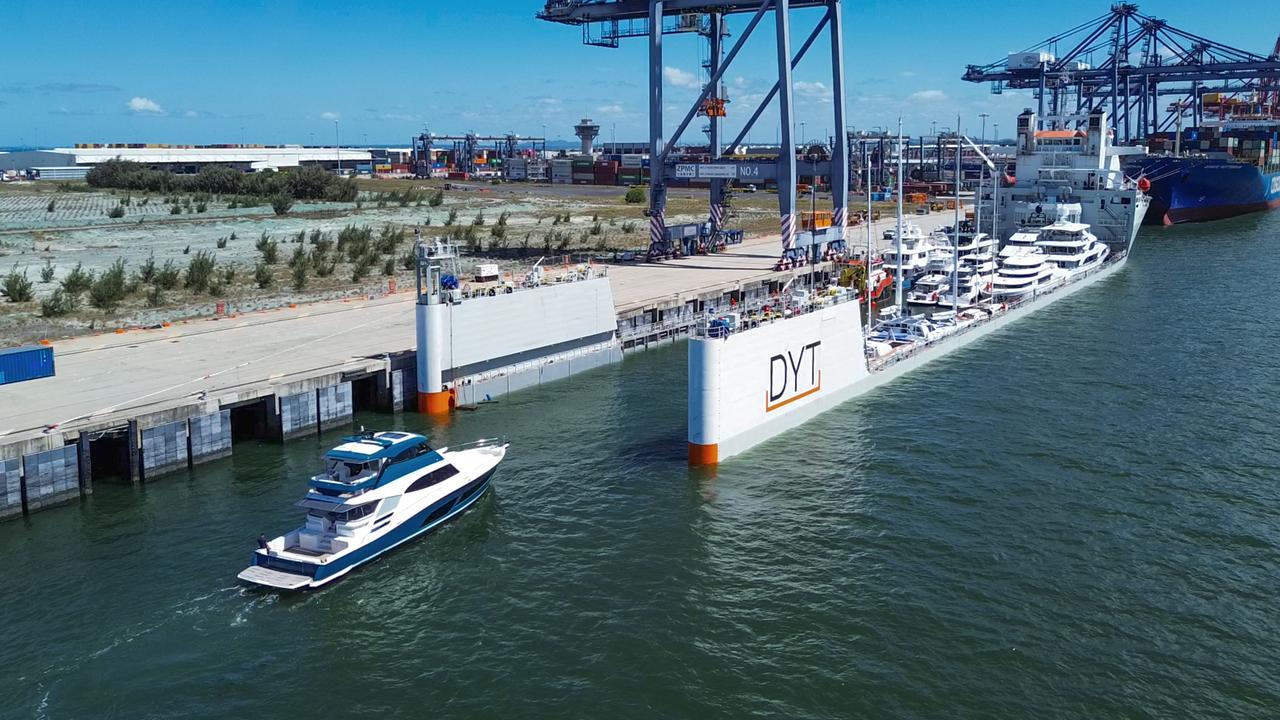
(284, 72)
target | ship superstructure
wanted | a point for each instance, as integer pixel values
(1073, 167)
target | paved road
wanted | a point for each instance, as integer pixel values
(101, 374)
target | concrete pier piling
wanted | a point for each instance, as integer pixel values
(50, 477)
(10, 487)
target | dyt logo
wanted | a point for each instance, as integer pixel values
(793, 376)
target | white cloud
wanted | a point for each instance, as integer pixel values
(812, 91)
(681, 78)
(907, 73)
(330, 115)
(614, 109)
(145, 106)
(928, 96)
(190, 114)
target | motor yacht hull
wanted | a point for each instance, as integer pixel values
(273, 571)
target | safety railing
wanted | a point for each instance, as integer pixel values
(483, 443)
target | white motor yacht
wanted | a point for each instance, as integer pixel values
(378, 491)
(1071, 247)
(1025, 274)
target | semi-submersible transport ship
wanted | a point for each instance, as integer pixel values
(758, 372)
(1227, 166)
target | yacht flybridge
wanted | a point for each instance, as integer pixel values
(378, 490)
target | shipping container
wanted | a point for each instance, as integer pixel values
(28, 362)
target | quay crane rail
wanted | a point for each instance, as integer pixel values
(1142, 58)
(605, 22)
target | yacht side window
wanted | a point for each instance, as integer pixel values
(355, 513)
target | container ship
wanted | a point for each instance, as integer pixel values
(1227, 166)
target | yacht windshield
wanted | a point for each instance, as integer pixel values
(350, 471)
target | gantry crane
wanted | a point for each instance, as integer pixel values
(605, 22)
(1129, 60)
(465, 147)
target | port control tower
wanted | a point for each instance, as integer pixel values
(587, 131)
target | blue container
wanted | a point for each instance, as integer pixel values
(25, 363)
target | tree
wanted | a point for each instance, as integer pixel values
(109, 289)
(281, 204)
(17, 286)
(635, 195)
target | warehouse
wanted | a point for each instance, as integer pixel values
(188, 159)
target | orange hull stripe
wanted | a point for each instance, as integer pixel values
(805, 394)
(704, 454)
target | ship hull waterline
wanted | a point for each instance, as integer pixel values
(728, 447)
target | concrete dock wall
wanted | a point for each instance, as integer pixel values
(297, 414)
(334, 405)
(164, 448)
(10, 487)
(50, 477)
(397, 390)
(210, 436)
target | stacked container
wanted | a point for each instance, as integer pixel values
(562, 171)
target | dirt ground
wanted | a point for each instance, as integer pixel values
(49, 229)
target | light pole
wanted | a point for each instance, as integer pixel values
(802, 141)
(613, 137)
(337, 146)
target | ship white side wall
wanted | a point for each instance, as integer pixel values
(482, 329)
(510, 341)
(710, 417)
(757, 383)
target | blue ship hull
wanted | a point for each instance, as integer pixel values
(1199, 189)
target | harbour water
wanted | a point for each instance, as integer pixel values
(1073, 518)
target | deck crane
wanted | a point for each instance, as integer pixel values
(605, 22)
(1129, 60)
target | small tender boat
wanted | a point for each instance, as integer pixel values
(378, 490)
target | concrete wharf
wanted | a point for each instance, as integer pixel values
(136, 405)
